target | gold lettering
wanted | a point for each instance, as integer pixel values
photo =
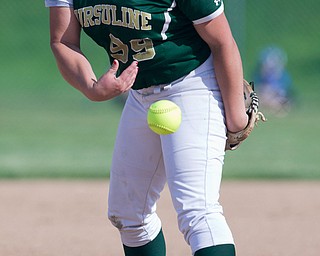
(88, 15)
(134, 19)
(144, 49)
(118, 49)
(145, 17)
(106, 14)
(97, 14)
(115, 22)
(124, 22)
(78, 14)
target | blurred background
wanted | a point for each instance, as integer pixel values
(49, 130)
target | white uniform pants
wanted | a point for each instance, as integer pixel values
(189, 160)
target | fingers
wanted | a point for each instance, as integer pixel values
(114, 67)
(128, 76)
(123, 82)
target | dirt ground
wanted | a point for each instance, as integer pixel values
(68, 218)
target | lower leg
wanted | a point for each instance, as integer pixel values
(218, 250)
(156, 247)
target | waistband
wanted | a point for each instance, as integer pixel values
(156, 89)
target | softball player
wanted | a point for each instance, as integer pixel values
(180, 50)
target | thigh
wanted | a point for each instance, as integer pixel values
(194, 155)
(137, 174)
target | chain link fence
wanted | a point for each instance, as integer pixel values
(39, 111)
(291, 25)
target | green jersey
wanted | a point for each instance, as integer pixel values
(159, 34)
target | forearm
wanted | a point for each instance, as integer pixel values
(229, 74)
(77, 71)
(228, 69)
(74, 67)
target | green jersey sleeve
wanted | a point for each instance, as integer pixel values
(201, 11)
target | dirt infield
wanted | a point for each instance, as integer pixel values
(68, 218)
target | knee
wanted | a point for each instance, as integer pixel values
(115, 221)
(203, 229)
(136, 232)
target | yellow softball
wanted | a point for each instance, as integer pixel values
(164, 117)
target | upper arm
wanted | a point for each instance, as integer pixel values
(64, 27)
(216, 32)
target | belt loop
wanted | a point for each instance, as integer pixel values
(157, 89)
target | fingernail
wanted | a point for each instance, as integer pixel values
(114, 62)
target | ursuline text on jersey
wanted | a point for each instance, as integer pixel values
(107, 14)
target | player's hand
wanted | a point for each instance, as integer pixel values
(109, 85)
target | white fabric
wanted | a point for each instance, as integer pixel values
(54, 3)
(211, 16)
(189, 160)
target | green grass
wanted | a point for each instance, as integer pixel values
(284, 148)
(71, 137)
(49, 130)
